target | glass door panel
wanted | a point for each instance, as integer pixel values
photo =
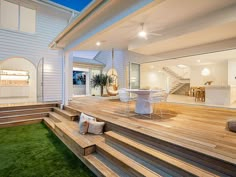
(134, 74)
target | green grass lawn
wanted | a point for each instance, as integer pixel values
(34, 151)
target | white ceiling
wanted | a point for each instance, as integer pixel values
(164, 18)
(209, 35)
(204, 59)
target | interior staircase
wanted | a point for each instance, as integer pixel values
(120, 151)
(178, 83)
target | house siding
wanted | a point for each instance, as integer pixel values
(49, 23)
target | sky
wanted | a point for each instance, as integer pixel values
(77, 5)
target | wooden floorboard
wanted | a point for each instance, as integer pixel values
(200, 128)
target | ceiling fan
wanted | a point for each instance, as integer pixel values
(143, 34)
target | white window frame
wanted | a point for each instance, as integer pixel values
(19, 3)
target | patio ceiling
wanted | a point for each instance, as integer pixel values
(181, 25)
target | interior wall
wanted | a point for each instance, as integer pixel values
(153, 78)
(21, 64)
(232, 72)
(218, 74)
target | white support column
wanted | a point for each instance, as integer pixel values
(67, 77)
(88, 83)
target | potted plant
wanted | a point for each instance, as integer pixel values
(101, 80)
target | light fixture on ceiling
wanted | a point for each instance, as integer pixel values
(98, 43)
(205, 72)
(198, 61)
(142, 33)
(181, 66)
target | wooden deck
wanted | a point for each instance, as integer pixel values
(198, 128)
(187, 141)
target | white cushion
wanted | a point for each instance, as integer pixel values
(86, 117)
(84, 123)
(96, 127)
(83, 127)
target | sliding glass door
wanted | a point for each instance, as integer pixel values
(134, 76)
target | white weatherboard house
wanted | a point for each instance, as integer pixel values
(26, 29)
(46, 42)
(168, 107)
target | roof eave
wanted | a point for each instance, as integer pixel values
(71, 26)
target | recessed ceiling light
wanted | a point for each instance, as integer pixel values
(198, 61)
(182, 66)
(98, 43)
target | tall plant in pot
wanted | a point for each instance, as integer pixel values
(101, 80)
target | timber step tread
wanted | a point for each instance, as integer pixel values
(56, 117)
(27, 106)
(175, 162)
(24, 111)
(65, 113)
(20, 122)
(24, 115)
(81, 140)
(15, 121)
(131, 165)
(71, 109)
(49, 122)
(102, 166)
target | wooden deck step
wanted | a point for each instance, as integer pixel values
(21, 122)
(24, 111)
(77, 142)
(27, 106)
(71, 109)
(128, 165)
(49, 122)
(22, 117)
(56, 117)
(66, 114)
(154, 156)
(179, 149)
(102, 167)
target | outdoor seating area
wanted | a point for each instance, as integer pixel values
(146, 101)
(112, 88)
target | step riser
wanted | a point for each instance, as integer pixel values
(71, 110)
(22, 112)
(125, 167)
(64, 115)
(13, 124)
(27, 107)
(210, 162)
(167, 168)
(54, 118)
(23, 117)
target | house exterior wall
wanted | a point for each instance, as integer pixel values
(49, 22)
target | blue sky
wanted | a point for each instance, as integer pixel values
(77, 5)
